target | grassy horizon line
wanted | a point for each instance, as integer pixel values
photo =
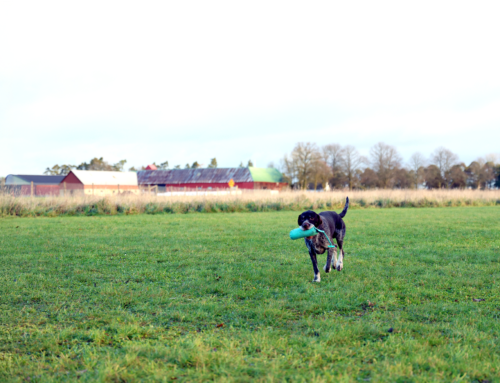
(256, 201)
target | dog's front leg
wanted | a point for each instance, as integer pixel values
(314, 260)
(332, 252)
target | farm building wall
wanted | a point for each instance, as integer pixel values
(110, 189)
(38, 190)
(270, 185)
(32, 185)
(71, 185)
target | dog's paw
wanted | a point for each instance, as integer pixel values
(327, 269)
(339, 266)
(317, 278)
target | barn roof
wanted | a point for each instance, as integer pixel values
(182, 176)
(266, 174)
(89, 177)
(26, 179)
(217, 175)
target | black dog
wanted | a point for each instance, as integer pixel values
(333, 226)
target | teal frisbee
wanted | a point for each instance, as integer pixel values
(299, 233)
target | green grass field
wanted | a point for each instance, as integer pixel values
(228, 297)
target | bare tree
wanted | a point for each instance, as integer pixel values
(492, 157)
(333, 154)
(352, 161)
(385, 160)
(444, 159)
(304, 157)
(416, 165)
(321, 173)
(287, 168)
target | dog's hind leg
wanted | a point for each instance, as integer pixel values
(314, 260)
(340, 263)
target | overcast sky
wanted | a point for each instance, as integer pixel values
(183, 81)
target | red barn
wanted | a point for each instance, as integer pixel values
(218, 178)
(36, 185)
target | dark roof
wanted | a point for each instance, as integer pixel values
(182, 176)
(15, 179)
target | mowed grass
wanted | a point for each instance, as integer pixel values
(229, 297)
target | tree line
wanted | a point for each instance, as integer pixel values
(334, 166)
(100, 164)
(93, 164)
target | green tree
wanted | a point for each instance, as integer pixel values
(241, 165)
(402, 179)
(119, 166)
(213, 163)
(250, 163)
(195, 165)
(177, 166)
(163, 165)
(65, 169)
(369, 179)
(187, 166)
(54, 171)
(59, 170)
(95, 164)
(433, 178)
(497, 176)
(457, 176)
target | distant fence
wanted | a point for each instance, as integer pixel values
(31, 190)
(161, 191)
(167, 191)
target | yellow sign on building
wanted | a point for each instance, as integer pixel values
(231, 183)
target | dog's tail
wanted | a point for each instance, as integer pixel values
(344, 212)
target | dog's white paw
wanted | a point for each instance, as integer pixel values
(340, 265)
(317, 278)
(327, 269)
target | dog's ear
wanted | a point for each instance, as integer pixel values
(317, 220)
(300, 220)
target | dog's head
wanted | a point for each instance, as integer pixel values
(308, 219)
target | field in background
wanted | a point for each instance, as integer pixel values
(228, 297)
(248, 201)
